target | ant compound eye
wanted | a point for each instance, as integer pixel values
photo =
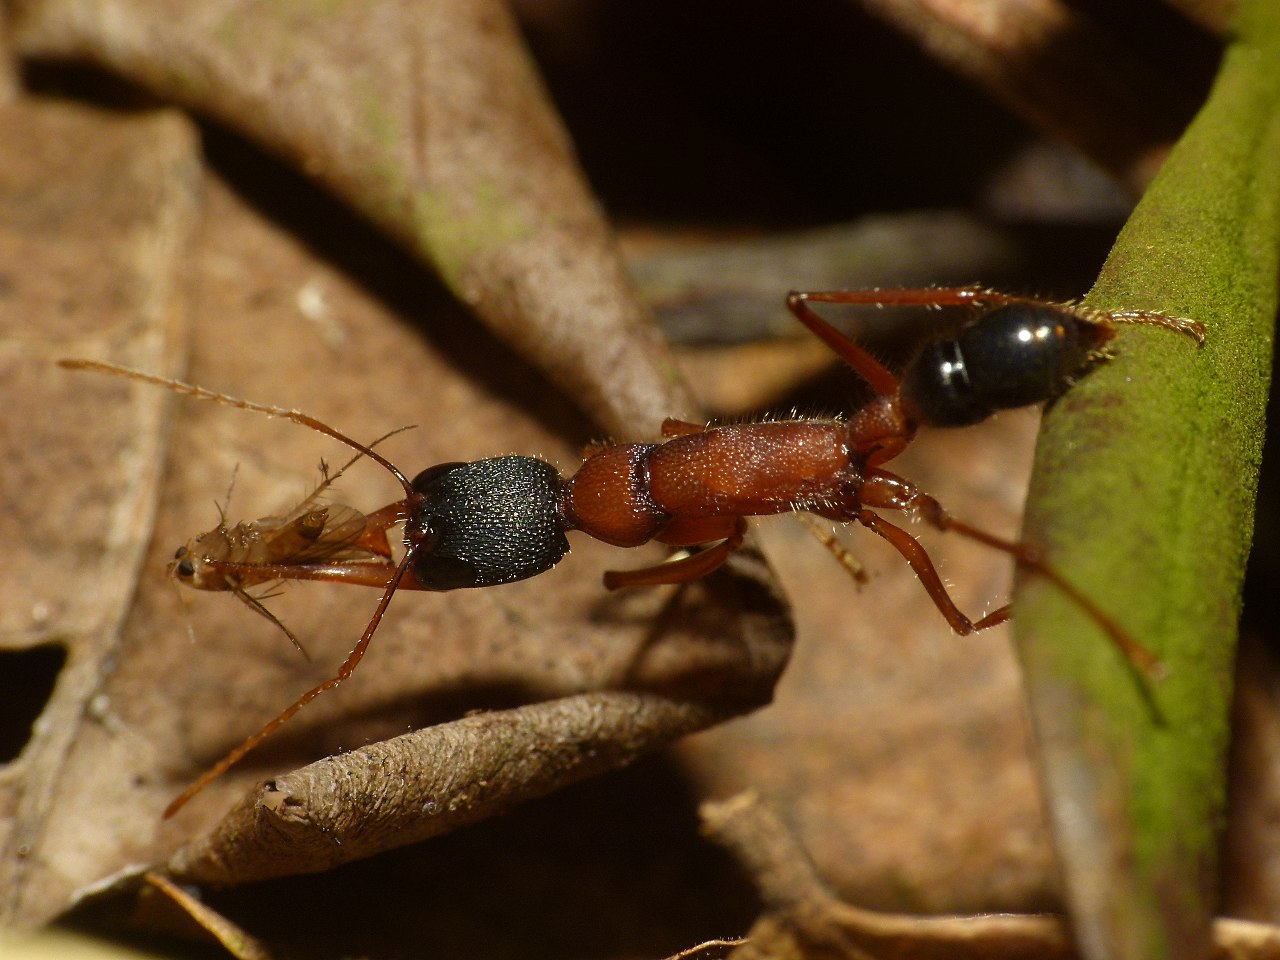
(180, 553)
(486, 523)
(1018, 355)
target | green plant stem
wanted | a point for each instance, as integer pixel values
(1143, 494)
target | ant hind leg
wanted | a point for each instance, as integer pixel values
(692, 567)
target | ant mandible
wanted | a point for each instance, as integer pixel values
(504, 519)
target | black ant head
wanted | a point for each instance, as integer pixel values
(1013, 356)
(485, 523)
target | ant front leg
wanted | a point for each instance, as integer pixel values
(916, 555)
(883, 489)
(866, 366)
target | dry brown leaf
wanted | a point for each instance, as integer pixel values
(272, 322)
(99, 213)
(430, 120)
(899, 752)
(1070, 76)
(431, 781)
(804, 921)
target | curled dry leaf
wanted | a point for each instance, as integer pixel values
(425, 783)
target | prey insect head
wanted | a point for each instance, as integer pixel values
(182, 567)
(196, 563)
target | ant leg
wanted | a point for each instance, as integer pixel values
(970, 296)
(978, 297)
(909, 297)
(348, 667)
(883, 489)
(864, 365)
(693, 567)
(671, 427)
(1189, 328)
(920, 562)
(373, 573)
(1028, 556)
(828, 539)
(1000, 615)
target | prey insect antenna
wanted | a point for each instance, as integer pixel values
(330, 479)
(201, 393)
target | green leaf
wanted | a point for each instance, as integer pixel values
(1143, 496)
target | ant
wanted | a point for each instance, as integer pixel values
(504, 519)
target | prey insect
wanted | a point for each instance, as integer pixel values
(504, 519)
(315, 532)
